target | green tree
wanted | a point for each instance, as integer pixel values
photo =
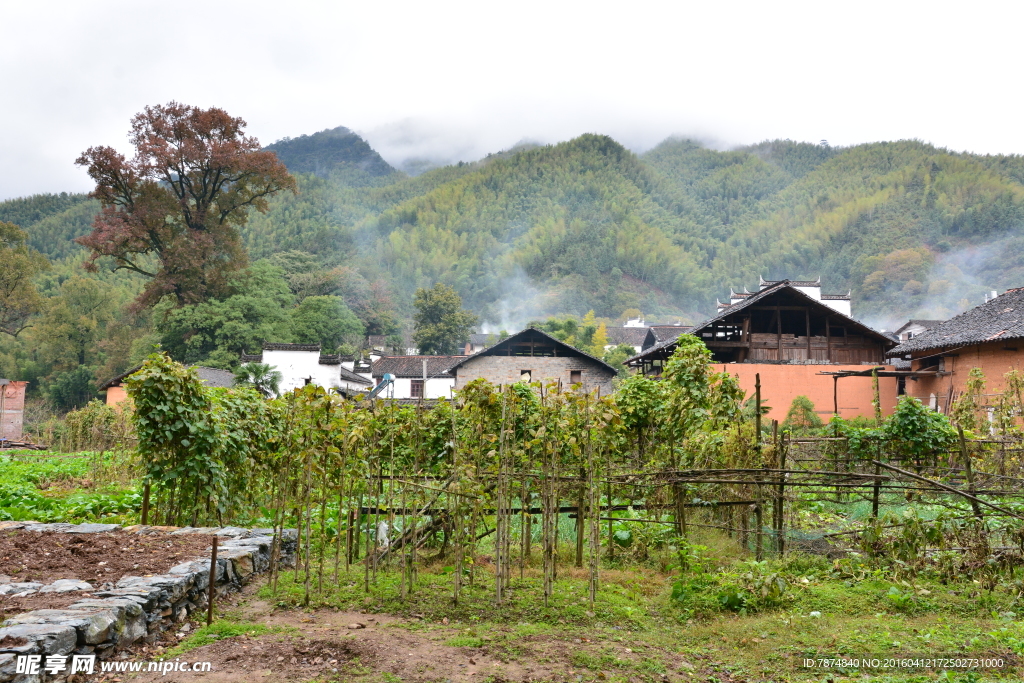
(216, 332)
(617, 356)
(75, 323)
(327, 321)
(71, 389)
(263, 377)
(442, 325)
(801, 416)
(19, 298)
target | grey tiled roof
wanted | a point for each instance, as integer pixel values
(634, 336)
(412, 366)
(1000, 319)
(527, 331)
(214, 377)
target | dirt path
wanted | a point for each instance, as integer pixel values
(328, 646)
(342, 646)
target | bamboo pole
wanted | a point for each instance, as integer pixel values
(211, 588)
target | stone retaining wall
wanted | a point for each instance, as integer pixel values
(138, 608)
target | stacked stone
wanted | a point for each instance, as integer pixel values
(138, 608)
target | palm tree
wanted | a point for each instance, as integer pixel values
(264, 378)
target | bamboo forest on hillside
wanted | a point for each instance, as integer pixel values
(912, 230)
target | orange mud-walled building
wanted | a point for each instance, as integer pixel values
(780, 384)
(989, 337)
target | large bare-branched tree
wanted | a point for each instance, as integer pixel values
(173, 211)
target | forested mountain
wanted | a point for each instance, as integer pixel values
(337, 153)
(911, 229)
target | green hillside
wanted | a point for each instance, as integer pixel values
(586, 224)
(337, 153)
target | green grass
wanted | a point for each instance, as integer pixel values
(637, 631)
(219, 630)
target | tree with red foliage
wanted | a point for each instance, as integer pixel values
(182, 199)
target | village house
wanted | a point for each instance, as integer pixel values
(212, 377)
(800, 342)
(989, 337)
(479, 342)
(302, 364)
(12, 409)
(415, 377)
(914, 328)
(630, 335)
(533, 355)
(660, 334)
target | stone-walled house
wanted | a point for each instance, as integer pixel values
(989, 337)
(533, 355)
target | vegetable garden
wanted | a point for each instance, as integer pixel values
(545, 478)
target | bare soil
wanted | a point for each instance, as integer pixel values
(100, 559)
(324, 646)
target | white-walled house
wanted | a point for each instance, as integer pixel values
(409, 373)
(302, 364)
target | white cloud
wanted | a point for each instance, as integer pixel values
(467, 77)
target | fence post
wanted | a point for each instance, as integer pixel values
(759, 538)
(580, 516)
(757, 412)
(212, 582)
(780, 519)
(968, 471)
(145, 503)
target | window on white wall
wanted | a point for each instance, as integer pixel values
(416, 388)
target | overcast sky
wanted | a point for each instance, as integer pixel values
(455, 80)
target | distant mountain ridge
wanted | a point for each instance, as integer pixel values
(331, 152)
(586, 224)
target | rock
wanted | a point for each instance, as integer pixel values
(123, 619)
(66, 586)
(50, 639)
(233, 532)
(57, 526)
(10, 526)
(8, 665)
(92, 528)
(15, 588)
(356, 625)
(4, 579)
(186, 627)
(146, 596)
(241, 560)
(92, 625)
(208, 530)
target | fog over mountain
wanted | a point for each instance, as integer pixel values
(449, 82)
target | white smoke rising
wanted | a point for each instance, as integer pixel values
(961, 279)
(523, 301)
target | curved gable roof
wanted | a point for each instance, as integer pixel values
(521, 337)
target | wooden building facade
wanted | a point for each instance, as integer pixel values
(786, 335)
